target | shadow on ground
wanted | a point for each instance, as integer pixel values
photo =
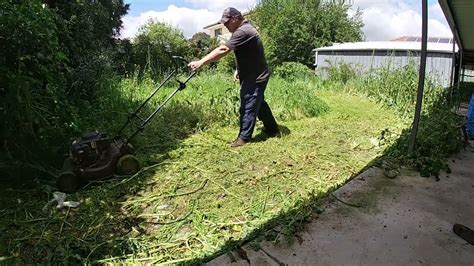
(99, 227)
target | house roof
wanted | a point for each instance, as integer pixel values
(460, 17)
(388, 46)
(211, 25)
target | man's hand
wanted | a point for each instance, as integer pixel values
(213, 56)
(195, 65)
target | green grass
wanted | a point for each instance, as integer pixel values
(197, 197)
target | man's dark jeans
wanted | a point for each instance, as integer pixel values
(253, 105)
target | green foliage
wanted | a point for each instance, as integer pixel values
(227, 64)
(439, 135)
(31, 76)
(293, 71)
(86, 30)
(52, 58)
(292, 29)
(85, 26)
(154, 47)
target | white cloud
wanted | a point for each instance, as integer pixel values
(389, 19)
(188, 20)
(219, 5)
(383, 19)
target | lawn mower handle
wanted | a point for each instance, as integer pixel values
(180, 58)
(182, 86)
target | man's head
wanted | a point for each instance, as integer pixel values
(231, 18)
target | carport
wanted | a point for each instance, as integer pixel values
(460, 17)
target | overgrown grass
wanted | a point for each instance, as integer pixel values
(439, 129)
(196, 197)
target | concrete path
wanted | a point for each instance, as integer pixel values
(403, 221)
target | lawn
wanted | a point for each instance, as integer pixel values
(196, 197)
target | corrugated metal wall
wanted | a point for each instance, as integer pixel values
(438, 65)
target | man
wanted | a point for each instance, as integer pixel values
(252, 72)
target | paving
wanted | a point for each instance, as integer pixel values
(374, 220)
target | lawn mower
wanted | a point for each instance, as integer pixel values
(95, 155)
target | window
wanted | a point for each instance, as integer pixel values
(217, 32)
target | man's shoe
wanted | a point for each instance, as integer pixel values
(271, 133)
(238, 142)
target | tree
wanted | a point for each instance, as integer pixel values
(291, 29)
(202, 44)
(154, 45)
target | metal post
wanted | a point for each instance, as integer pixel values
(421, 80)
(453, 68)
(461, 59)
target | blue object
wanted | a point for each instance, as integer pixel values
(470, 117)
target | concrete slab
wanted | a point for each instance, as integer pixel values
(403, 221)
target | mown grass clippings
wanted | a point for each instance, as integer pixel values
(198, 197)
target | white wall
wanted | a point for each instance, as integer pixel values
(438, 65)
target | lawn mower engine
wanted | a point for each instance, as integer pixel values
(95, 156)
(89, 148)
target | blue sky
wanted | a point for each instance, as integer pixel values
(383, 19)
(139, 6)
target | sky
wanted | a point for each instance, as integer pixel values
(383, 19)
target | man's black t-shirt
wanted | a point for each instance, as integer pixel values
(249, 54)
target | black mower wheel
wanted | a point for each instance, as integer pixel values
(127, 165)
(68, 182)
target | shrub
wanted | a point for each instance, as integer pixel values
(341, 72)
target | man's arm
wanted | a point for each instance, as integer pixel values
(213, 56)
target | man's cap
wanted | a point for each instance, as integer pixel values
(228, 13)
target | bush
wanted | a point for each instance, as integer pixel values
(32, 67)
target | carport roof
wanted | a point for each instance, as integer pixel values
(460, 17)
(387, 46)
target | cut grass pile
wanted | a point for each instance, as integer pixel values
(198, 197)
